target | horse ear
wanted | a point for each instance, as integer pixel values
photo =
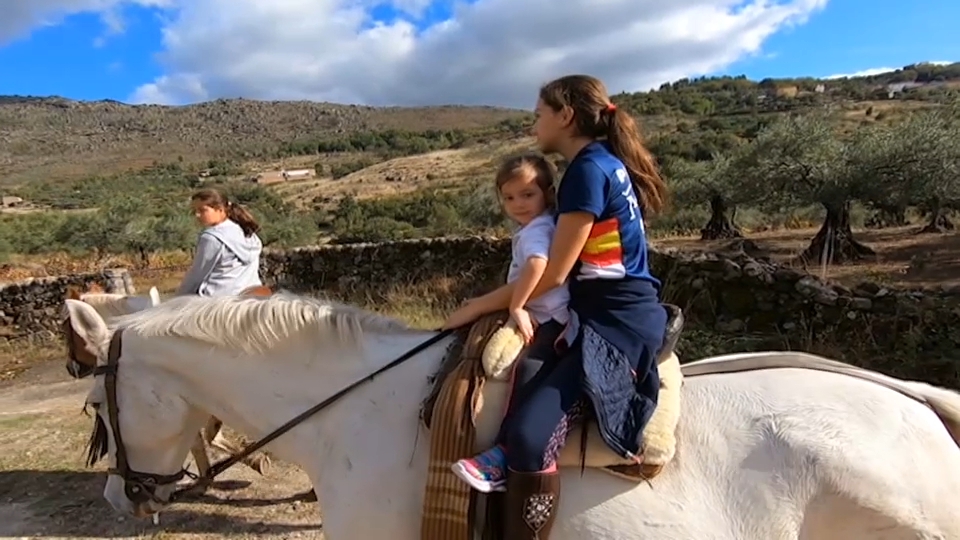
(73, 292)
(154, 296)
(88, 324)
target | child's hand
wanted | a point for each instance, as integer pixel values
(525, 324)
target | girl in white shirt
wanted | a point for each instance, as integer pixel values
(525, 184)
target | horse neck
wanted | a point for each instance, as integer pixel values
(256, 394)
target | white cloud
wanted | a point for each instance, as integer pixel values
(19, 17)
(862, 73)
(495, 52)
(877, 71)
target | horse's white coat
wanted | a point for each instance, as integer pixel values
(763, 455)
(111, 305)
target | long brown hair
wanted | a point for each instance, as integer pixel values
(596, 117)
(543, 170)
(235, 212)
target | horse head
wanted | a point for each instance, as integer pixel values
(81, 360)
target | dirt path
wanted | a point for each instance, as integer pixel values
(45, 491)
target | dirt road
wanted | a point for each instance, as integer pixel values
(46, 492)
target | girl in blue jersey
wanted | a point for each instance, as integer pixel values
(607, 359)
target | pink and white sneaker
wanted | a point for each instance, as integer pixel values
(485, 472)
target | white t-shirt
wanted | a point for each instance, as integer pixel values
(533, 240)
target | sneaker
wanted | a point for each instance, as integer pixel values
(484, 472)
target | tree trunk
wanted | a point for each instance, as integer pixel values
(720, 226)
(144, 257)
(834, 242)
(939, 223)
(888, 216)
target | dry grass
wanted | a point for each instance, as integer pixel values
(45, 491)
(443, 168)
(904, 258)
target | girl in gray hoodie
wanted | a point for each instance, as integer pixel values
(227, 258)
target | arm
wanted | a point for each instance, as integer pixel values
(207, 256)
(573, 230)
(529, 278)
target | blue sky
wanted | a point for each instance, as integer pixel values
(854, 35)
(79, 57)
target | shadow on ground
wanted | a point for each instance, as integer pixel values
(70, 504)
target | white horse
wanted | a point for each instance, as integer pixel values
(762, 455)
(113, 305)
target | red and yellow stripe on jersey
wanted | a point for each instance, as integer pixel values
(602, 255)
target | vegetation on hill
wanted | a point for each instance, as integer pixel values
(739, 155)
(55, 138)
(59, 139)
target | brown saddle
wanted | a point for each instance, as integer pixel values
(675, 322)
(257, 290)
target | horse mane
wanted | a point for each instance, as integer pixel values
(253, 325)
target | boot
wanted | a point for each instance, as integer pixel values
(532, 501)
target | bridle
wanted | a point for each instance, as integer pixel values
(141, 487)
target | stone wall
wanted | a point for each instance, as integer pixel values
(776, 307)
(780, 307)
(30, 309)
(477, 262)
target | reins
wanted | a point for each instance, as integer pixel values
(142, 485)
(224, 464)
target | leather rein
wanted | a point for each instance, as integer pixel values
(141, 487)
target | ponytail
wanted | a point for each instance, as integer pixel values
(242, 217)
(627, 144)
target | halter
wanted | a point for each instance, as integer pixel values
(141, 487)
(138, 486)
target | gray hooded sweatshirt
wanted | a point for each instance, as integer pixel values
(225, 263)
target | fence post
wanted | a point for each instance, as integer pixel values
(118, 281)
(128, 282)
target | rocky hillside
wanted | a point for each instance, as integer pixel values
(50, 138)
(56, 139)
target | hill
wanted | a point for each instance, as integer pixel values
(56, 139)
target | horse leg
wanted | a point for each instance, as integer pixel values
(214, 436)
(199, 452)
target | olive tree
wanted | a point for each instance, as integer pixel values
(800, 160)
(696, 182)
(914, 162)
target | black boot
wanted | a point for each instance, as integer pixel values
(532, 500)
